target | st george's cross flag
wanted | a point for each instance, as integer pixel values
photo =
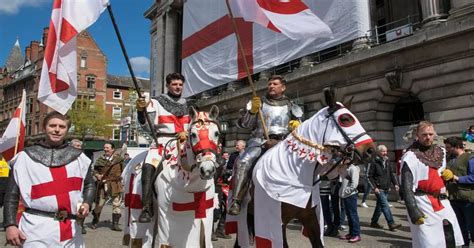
(13, 138)
(58, 82)
(292, 18)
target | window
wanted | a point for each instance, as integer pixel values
(90, 80)
(83, 62)
(37, 127)
(37, 106)
(117, 113)
(117, 94)
(116, 134)
(29, 105)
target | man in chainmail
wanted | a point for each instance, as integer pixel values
(169, 114)
(429, 211)
(281, 116)
(55, 184)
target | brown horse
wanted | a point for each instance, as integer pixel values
(286, 177)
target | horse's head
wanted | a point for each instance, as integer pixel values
(343, 130)
(204, 137)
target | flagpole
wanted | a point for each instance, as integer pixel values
(20, 122)
(137, 88)
(246, 65)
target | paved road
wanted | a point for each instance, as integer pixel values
(104, 237)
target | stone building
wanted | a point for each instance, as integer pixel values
(416, 64)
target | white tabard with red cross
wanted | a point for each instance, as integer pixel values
(133, 206)
(50, 189)
(428, 179)
(167, 124)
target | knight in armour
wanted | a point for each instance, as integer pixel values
(54, 183)
(281, 116)
(169, 114)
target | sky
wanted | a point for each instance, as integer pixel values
(26, 19)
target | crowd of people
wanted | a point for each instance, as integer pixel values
(436, 182)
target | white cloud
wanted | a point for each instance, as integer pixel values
(13, 6)
(140, 64)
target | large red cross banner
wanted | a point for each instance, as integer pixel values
(58, 82)
(273, 32)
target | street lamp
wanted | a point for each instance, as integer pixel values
(224, 126)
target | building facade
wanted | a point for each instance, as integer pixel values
(111, 93)
(417, 63)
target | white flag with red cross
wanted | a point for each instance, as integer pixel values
(273, 32)
(293, 18)
(58, 82)
(13, 138)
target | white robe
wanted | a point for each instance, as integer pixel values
(132, 175)
(48, 189)
(430, 234)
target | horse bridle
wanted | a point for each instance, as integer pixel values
(205, 150)
(349, 150)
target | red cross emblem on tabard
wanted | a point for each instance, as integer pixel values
(199, 205)
(178, 122)
(132, 201)
(60, 187)
(217, 31)
(433, 184)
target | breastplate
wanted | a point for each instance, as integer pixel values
(276, 119)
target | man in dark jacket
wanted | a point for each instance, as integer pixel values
(381, 174)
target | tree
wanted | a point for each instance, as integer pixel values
(89, 119)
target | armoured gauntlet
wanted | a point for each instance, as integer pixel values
(256, 104)
(447, 175)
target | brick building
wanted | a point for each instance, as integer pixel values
(120, 103)
(23, 72)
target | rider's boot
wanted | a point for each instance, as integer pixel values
(240, 189)
(148, 171)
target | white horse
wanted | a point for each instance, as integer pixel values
(286, 177)
(185, 191)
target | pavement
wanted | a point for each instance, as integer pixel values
(103, 236)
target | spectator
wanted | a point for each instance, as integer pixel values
(239, 148)
(4, 171)
(126, 158)
(325, 192)
(381, 174)
(468, 135)
(76, 144)
(348, 192)
(460, 185)
(107, 171)
(367, 187)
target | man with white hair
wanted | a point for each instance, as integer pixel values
(381, 174)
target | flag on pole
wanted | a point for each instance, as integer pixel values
(13, 138)
(58, 82)
(289, 17)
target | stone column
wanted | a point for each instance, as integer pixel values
(434, 11)
(171, 42)
(461, 8)
(160, 49)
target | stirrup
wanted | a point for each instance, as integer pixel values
(145, 216)
(235, 208)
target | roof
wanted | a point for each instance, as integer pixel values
(126, 82)
(15, 59)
